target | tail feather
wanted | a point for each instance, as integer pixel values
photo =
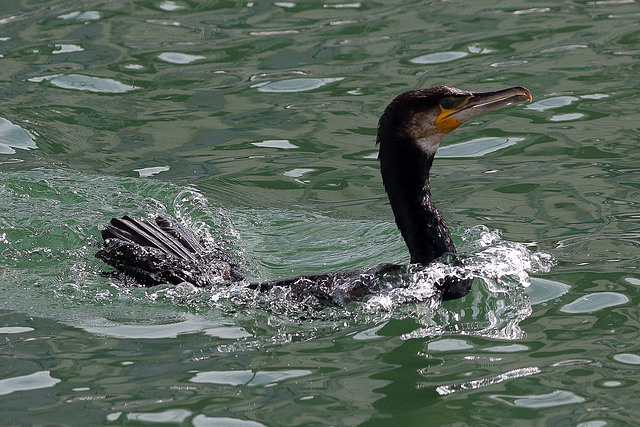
(163, 251)
(184, 235)
(160, 235)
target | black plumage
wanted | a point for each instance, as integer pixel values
(409, 133)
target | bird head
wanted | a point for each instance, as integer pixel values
(427, 115)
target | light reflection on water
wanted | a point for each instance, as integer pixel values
(80, 82)
(34, 381)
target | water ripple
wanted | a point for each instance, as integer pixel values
(477, 147)
(438, 57)
(555, 398)
(554, 102)
(13, 136)
(247, 377)
(295, 85)
(90, 15)
(179, 58)
(85, 83)
(594, 302)
(37, 380)
(444, 390)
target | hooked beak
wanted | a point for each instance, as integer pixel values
(477, 103)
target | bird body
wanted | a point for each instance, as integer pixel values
(409, 134)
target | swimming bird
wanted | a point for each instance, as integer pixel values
(410, 130)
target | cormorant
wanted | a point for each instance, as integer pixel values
(409, 133)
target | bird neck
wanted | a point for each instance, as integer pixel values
(405, 167)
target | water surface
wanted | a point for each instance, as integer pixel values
(255, 122)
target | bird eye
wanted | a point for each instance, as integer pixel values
(446, 103)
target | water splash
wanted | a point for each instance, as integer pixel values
(496, 304)
(494, 308)
(50, 269)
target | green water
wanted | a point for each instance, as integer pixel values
(254, 122)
